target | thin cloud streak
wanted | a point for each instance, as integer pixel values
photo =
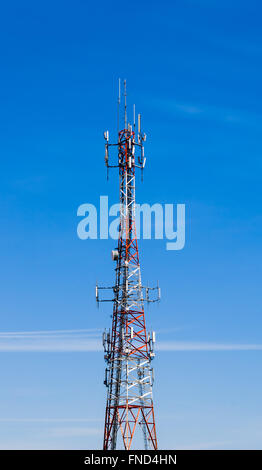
(75, 432)
(205, 445)
(90, 341)
(212, 113)
(50, 332)
(205, 346)
(50, 420)
(85, 340)
(55, 345)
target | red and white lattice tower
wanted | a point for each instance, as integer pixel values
(128, 347)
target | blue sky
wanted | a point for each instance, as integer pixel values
(194, 71)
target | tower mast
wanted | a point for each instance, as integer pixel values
(128, 346)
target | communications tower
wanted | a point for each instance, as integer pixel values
(129, 348)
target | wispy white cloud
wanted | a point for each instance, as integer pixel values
(75, 431)
(205, 445)
(90, 331)
(49, 420)
(205, 346)
(51, 341)
(60, 427)
(188, 108)
(90, 340)
(208, 112)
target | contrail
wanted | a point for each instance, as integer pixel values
(88, 340)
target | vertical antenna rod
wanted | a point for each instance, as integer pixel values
(118, 102)
(125, 104)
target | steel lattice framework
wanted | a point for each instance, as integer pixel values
(128, 347)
